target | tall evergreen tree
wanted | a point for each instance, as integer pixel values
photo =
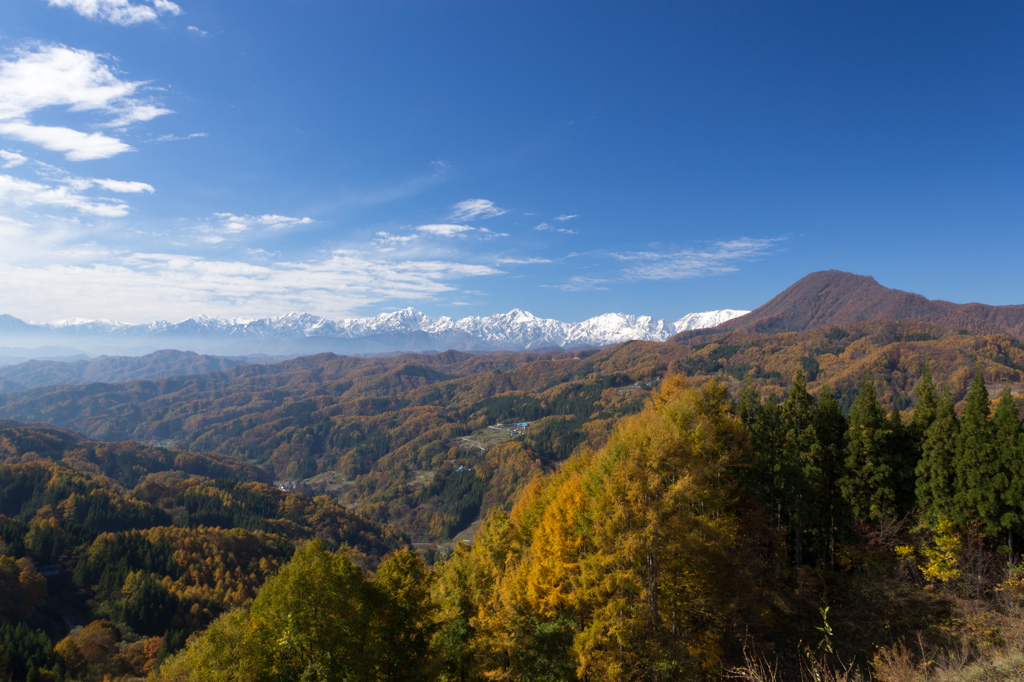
(769, 470)
(1006, 440)
(905, 450)
(869, 484)
(977, 486)
(927, 406)
(749, 403)
(935, 473)
(823, 471)
(797, 426)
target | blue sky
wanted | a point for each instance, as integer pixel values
(163, 159)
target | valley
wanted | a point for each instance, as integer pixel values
(480, 462)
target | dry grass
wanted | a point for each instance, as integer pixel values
(812, 669)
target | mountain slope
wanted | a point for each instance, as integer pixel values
(835, 298)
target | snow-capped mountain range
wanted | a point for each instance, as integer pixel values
(402, 330)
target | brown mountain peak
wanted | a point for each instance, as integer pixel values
(836, 298)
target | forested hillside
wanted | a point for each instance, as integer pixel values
(400, 439)
(708, 537)
(817, 500)
(133, 548)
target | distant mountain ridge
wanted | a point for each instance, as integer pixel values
(109, 370)
(836, 298)
(400, 331)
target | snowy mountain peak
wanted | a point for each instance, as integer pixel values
(712, 318)
(397, 330)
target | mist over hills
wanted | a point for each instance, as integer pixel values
(296, 334)
(158, 365)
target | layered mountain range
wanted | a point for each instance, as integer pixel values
(405, 330)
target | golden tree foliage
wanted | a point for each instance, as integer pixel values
(623, 564)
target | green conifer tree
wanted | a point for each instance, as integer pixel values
(935, 473)
(977, 493)
(796, 418)
(927, 406)
(869, 484)
(905, 449)
(823, 472)
(1006, 436)
(769, 471)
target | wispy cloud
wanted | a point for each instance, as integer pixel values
(56, 188)
(59, 76)
(178, 286)
(27, 194)
(234, 224)
(565, 216)
(544, 227)
(11, 159)
(279, 222)
(74, 144)
(445, 230)
(177, 138)
(471, 209)
(124, 187)
(720, 258)
(198, 31)
(120, 12)
(388, 240)
(383, 195)
(581, 284)
(522, 261)
(44, 241)
(262, 254)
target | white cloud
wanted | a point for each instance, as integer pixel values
(176, 138)
(225, 225)
(124, 187)
(523, 261)
(138, 114)
(471, 209)
(490, 234)
(544, 227)
(76, 145)
(120, 12)
(167, 6)
(446, 230)
(279, 222)
(11, 159)
(59, 76)
(130, 287)
(722, 257)
(565, 217)
(44, 241)
(388, 240)
(198, 31)
(581, 284)
(26, 194)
